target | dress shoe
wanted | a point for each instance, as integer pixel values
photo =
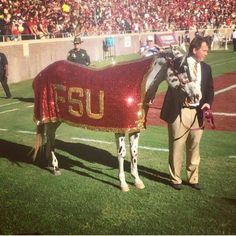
(177, 186)
(195, 186)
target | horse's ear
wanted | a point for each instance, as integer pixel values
(183, 48)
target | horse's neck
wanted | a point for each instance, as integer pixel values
(156, 74)
(155, 77)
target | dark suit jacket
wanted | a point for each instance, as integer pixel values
(174, 98)
(3, 63)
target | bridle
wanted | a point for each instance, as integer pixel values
(176, 69)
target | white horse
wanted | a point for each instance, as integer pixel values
(159, 71)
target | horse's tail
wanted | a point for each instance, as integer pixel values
(39, 139)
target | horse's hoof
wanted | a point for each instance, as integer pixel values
(125, 188)
(140, 185)
(57, 172)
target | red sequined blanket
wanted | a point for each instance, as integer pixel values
(108, 99)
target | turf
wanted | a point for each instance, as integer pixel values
(86, 198)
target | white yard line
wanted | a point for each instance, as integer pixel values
(9, 104)
(223, 62)
(91, 140)
(225, 89)
(154, 149)
(3, 129)
(7, 111)
(15, 109)
(224, 114)
(25, 132)
(106, 142)
(87, 140)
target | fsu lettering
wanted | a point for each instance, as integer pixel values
(79, 101)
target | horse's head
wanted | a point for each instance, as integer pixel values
(177, 71)
(164, 64)
(178, 74)
(171, 65)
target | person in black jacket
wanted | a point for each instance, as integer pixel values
(77, 54)
(234, 39)
(185, 119)
(4, 74)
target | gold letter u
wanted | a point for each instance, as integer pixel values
(90, 114)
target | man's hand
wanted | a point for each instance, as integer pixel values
(206, 106)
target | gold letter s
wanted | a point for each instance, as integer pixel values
(71, 100)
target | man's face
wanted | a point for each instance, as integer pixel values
(201, 53)
(77, 46)
(150, 43)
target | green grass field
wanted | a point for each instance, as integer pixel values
(86, 198)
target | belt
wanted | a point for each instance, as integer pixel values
(189, 107)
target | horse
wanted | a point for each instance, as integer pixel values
(160, 68)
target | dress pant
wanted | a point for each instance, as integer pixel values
(184, 133)
(234, 43)
(6, 87)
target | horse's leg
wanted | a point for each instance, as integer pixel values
(133, 139)
(50, 155)
(121, 150)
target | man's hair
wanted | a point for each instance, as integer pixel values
(197, 43)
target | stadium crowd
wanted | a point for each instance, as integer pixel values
(36, 19)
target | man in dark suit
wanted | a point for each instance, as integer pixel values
(185, 119)
(77, 54)
(4, 74)
(234, 39)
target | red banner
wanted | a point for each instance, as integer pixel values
(165, 40)
(108, 99)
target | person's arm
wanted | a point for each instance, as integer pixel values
(210, 91)
(6, 70)
(5, 65)
(69, 56)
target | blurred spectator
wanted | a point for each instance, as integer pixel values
(149, 48)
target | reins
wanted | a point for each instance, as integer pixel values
(207, 118)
